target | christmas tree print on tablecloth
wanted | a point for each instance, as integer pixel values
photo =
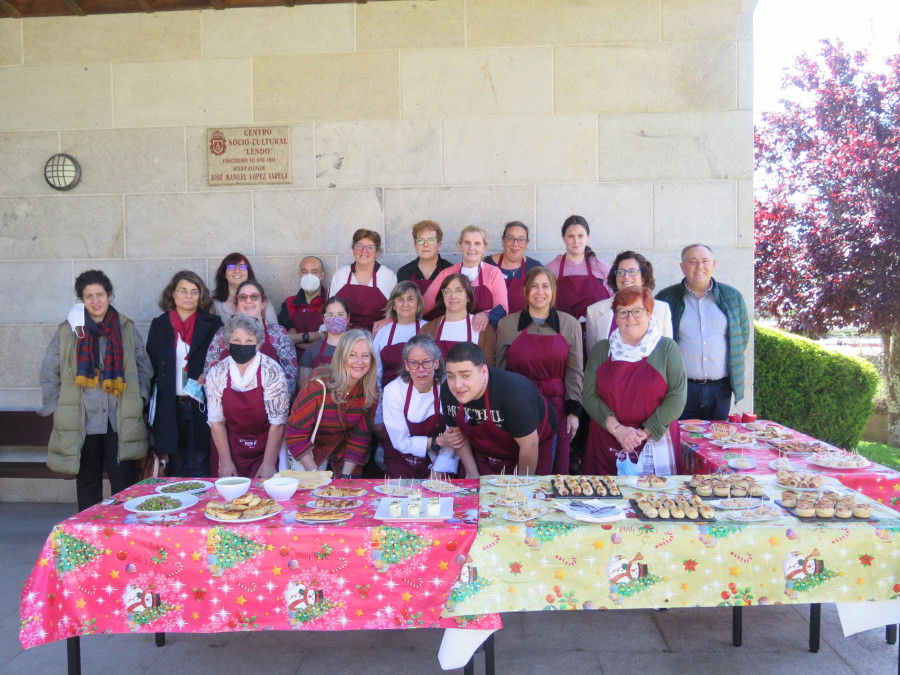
(392, 545)
(226, 549)
(541, 532)
(71, 552)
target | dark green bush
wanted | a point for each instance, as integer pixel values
(809, 388)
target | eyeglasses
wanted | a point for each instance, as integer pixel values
(253, 297)
(184, 291)
(633, 272)
(427, 364)
(235, 268)
(368, 248)
(431, 241)
(453, 291)
(521, 241)
(637, 313)
(332, 315)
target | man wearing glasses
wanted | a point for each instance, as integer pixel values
(497, 421)
(712, 329)
(427, 238)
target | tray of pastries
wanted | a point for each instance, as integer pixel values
(652, 507)
(245, 508)
(827, 507)
(339, 491)
(585, 487)
(722, 486)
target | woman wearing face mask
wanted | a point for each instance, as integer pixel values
(336, 317)
(248, 401)
(487, 282)
(301, 314)
(580, 275)
(365, 284)
(333, 417)
(456, 302)
(177, 344)
(629, 269)
(513, 263)
(95, 379)
(234, 270)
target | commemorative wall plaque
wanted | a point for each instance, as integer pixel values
(249, 155)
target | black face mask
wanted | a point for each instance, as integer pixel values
(242, 353)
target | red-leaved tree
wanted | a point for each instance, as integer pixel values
(827, 204)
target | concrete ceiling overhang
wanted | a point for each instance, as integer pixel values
(18, 9)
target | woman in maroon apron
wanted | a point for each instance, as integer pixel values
(583, 283)
(489, 287)
(404, 309)
(545, 346)
(635, 386)
(413, 421)
(513, 263)
(336, 317)
(365, 284)
(251, 301)
(427, 238)
(247, 398)
(456, 302)
(332, 420)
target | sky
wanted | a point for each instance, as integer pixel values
(782, 29)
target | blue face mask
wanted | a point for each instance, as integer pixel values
(195, 391)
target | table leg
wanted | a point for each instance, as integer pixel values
(160, 639)
(890, 634)
(489, 655)
(815, 626)
(73, 652)
(737, 625)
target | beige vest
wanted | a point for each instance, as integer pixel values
(68, 434)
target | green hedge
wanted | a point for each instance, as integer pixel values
(814, 390)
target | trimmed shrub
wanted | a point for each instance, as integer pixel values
(812, 389)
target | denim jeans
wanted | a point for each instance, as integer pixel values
(710, 401)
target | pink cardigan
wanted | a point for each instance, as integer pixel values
(493, 279)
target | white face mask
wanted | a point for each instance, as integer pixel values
(76, 319)
(310, 283)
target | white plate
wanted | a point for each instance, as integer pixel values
(316, 493)
(797, 488)
(838, 468)
(718, 503)
(395, 490)
(302, 488)
(539, 511)
(671, 486)
(240, 521)
(774, 466)
(196, 491)
(725, 446)
(441, 486)
(384, 506)
(733, 463)
(298, 517)
(502, 501)
(735, 516)
(698, 428)
(312, 504)
(504, 481)
(186, 501)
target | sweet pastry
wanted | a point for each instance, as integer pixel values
(721, 489)
(244, 507)
(658, 481)
(862, 511)
(805, 509)
(789, 499)
(843, 511)
(825, 508)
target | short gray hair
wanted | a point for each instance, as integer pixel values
(427, 343)
(244, 322)
(690, 246)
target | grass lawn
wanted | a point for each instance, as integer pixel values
(881, 453)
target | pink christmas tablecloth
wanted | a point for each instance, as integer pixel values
(108, 570)
(701, 455)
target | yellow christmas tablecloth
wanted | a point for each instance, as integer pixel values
(555, 562)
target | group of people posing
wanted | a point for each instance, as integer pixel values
(486, 365)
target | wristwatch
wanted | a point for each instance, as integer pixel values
(306, 337)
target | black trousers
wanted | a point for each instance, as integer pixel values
(100, 453)
(190, 461)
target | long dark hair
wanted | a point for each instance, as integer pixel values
(580, 220)
(220, 292)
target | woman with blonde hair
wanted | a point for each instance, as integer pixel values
(489, 286)
(333, 417)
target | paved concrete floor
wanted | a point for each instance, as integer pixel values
(621, 642)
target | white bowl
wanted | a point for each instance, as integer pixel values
(232, 487)
(281, 489)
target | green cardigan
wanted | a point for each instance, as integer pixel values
(68, 434)
(666, 359)
(731, 302)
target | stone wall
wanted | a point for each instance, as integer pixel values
(633, 113)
